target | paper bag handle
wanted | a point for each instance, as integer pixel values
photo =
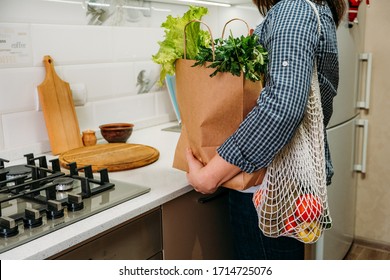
(185, 38)
(223, 31)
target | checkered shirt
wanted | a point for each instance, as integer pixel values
(289, 33)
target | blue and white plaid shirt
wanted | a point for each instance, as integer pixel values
(289, 33)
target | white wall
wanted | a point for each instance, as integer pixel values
(106, 59)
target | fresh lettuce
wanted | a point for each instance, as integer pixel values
(172, 47)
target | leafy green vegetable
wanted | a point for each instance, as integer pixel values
(236, 55)
(172, 47)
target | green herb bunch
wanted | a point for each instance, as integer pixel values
(236, 55)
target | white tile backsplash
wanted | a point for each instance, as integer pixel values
(125, 109)
(96, 77)
(86, 55)
(71, 44)
(1, 135)
(85, 116)
(164, 105)
(123, 79)
(23, 128)
(250, 16)
(134, 44)
(17, 88)
(106, 60)
(47, 12)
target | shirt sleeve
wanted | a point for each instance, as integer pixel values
(290, 35)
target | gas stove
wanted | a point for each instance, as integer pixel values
(37, 197)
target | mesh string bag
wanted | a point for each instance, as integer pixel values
(292, 201)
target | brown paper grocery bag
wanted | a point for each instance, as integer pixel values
(211, 109)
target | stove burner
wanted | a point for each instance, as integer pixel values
(63, 183)
(16, 171)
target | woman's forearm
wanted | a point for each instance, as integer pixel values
(206, 179)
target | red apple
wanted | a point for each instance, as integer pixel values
(257, 196)
(290, 223)
(308, 207)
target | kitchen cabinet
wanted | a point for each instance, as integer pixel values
(190, 227)
(137, 239)
(196, 227)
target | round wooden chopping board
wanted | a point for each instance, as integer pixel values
(113, 156)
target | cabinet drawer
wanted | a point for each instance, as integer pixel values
(138, 239)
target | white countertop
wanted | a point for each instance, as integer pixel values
(166, 183)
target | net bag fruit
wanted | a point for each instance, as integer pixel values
(292, 201)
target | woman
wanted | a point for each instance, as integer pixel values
(289, 33)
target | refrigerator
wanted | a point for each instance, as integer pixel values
(347, 135)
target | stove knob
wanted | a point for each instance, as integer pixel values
(2, 162)
(32, 218)
(75, 202)
(54, 210)
(8, 227)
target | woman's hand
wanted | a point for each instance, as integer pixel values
(207, 178)
(197, 175)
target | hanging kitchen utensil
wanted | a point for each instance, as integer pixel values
(59, 112)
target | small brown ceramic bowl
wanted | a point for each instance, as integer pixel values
(116, 132)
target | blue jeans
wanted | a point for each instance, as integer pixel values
(249, 242)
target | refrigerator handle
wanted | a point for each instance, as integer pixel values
(362, 166)
(365, 104)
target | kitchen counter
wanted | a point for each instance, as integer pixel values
(166, 183)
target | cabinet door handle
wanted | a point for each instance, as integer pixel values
(361, 167)
(364, 104)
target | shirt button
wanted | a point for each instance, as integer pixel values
(285, 63)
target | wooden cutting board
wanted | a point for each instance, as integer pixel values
(59, 112)
(113, 156)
